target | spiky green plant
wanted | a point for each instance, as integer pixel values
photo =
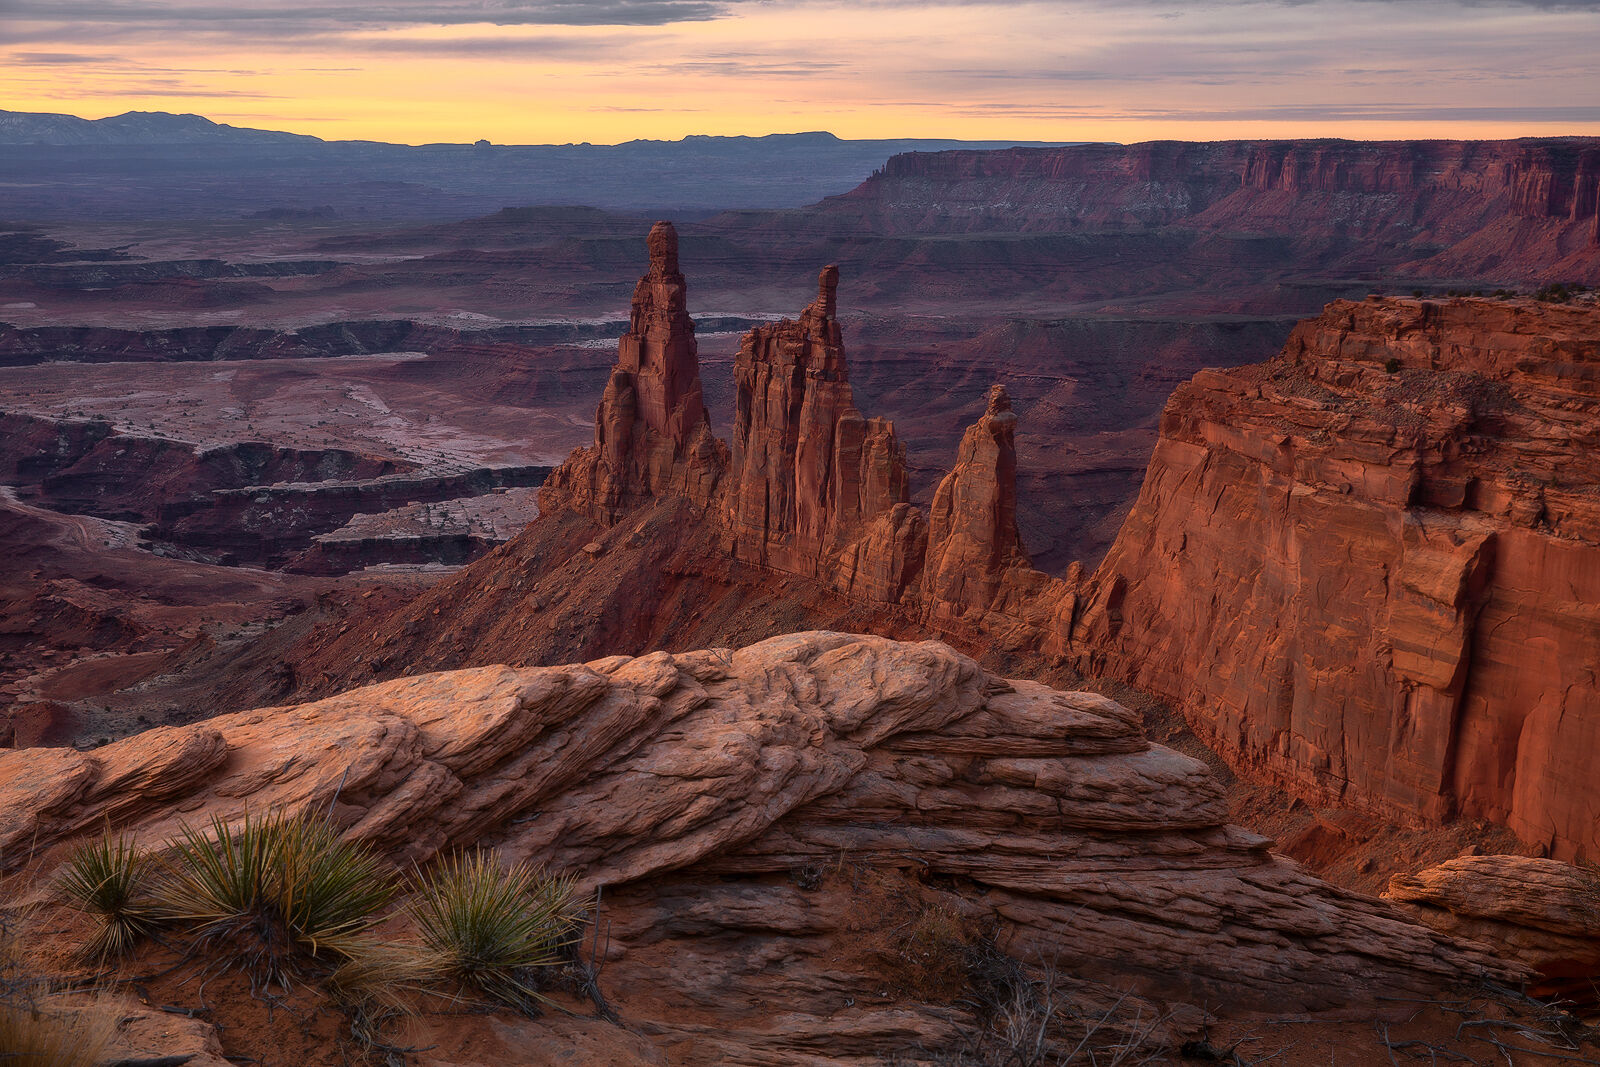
(110, 879)
(277, 887)
(493, 926)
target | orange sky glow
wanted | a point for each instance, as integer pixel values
(415, 71)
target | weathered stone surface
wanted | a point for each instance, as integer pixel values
(1540, 912)
(1083, 841)
(1370, 568)
(810, 487)
(1453, 209)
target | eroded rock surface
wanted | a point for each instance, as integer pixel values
(1541, 912)
(709, 777)
(819, 490)
(652, 436)
(1370, 567)
(1366, 569)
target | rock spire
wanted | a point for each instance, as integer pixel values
(652, 435)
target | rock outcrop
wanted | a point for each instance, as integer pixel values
(652, 433)
(692, 786)
(974, 544)
(1540, 912)
(1370, 567)
(810, 487)
(818, 490)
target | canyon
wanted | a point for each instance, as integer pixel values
(1210, 530)
(1337, 567)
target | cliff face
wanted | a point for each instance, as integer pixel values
(1510, 209)
(1367, 569)
(1370, 568)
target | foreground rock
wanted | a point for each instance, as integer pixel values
(1541, 912)
(694, 786)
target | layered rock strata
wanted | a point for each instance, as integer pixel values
(652, 434)
(1366, 569)
(817, 489)
(1370, 568)
(1541, 912)
(1514, 209)
(810, 486)
(692, 785)
(975, 547)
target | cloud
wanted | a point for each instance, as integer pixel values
(55, 58)
(745, 68)
(508, 46)
(1556, 113)
(261, 16)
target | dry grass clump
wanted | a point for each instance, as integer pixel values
(931, 955)
(34, 1032)
(38, 1037)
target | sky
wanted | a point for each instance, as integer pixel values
(557, 71)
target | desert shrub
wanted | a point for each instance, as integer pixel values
(1554, 293)
(275, 887)
(494, 926)
(111, 880)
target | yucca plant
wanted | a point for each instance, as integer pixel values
(111, 880)
(278, 887)
(493, 926)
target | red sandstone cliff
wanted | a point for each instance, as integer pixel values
(1370, 567)
(1367, 568)
(818, 490)
(810, 487)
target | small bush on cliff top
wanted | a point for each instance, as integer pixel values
(493, 926)
(110, 880)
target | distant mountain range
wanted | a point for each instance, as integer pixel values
(133, 128)
(151, 164)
